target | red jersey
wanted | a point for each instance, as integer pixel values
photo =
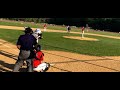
(45, 25)
(38, 59)
(83, 28)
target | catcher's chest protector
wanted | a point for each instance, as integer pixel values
(38, 59)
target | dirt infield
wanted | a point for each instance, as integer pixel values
(62, 61)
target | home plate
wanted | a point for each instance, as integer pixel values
(52, 64)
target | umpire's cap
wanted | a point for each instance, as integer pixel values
(28, 30)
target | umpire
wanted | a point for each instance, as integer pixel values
(26, 45)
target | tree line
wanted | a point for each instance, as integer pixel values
(106, 24)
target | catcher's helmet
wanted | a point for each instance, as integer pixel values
(38, 31)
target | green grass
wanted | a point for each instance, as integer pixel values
(31, 24)
(10, 35)
(104, 33)
(20, 24)
(54, 27)
(55, 41)
(103, 47)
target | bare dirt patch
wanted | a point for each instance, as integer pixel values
(80, 38)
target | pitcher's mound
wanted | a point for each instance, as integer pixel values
(80, 38)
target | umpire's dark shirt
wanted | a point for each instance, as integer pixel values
(26, 41)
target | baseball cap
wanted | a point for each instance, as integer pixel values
(28, 30)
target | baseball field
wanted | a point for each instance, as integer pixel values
(98, 51)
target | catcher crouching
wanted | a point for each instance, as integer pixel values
(38, 64)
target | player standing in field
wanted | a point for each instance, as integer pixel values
(87, 27)
(45, 27)
(68, 29)
(83, 28)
